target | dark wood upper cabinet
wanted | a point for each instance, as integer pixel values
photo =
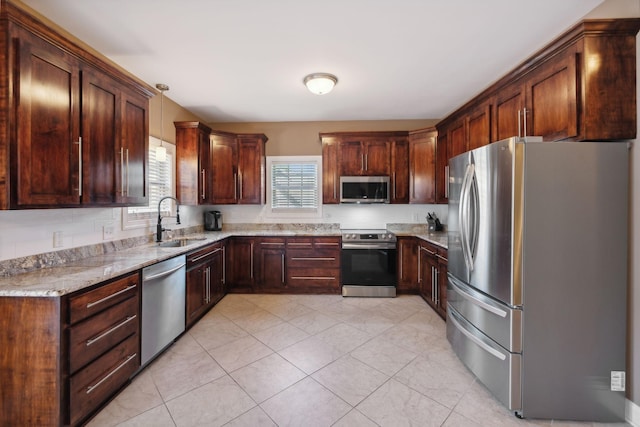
(422, 166)
(74, 126)
(580, 87)
(225, 168)
(365, 154)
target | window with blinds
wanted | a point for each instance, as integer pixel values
(294, 185)
(161, 184)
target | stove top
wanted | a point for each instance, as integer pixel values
(371, 235)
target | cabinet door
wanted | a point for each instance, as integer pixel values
(508, 110)
(47, 171)
(479, 126)
(552, 99)
(426, 262)
(216, 276)
(377, 158)
(205, 172)
(400, 172)
(100, 138)
(351, 158)
(196, 293)
(457, 139)
(422, 160)
(240, 265)
(407, 265)
(134, 150)
(224, 158)
(270, 253)
(442, 285)
(251, 170)
(442, 169)
(330, 173)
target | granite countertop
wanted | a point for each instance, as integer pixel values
(75, 275)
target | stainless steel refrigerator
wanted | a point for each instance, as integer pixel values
(537, 289)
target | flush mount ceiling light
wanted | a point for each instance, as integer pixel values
(161, 151)
(320, 83)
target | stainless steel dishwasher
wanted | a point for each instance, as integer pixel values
(163, 305)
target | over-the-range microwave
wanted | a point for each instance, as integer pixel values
(364, 189)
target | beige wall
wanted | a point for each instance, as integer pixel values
(172, 112)
(301, 138)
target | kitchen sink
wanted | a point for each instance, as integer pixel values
(175, 243)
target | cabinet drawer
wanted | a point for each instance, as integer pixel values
(314, 279)
(94, 336)
(92, 302)
(312, 260)
(203, 255)
(91, 386)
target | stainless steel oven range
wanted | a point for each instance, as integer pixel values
(368, 263)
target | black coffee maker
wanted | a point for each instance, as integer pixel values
(213, 220)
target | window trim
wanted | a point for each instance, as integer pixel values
(131, 220)
(297, 213)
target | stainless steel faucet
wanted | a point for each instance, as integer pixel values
(159, 228)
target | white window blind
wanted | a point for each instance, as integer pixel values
(294, 185)
(294, 190)
(161, 184)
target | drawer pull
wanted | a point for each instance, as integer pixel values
(299, 244)
(313, 259)
(196, 259)
(441, 257)
(105, 333)
(100, 301)
(312, 278)
(271, 244)
(106, 377)
(327, 244)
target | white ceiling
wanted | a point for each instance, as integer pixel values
(244, 60)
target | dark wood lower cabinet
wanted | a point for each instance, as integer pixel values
(407, 265)
(432, 276)
(205, 280)
(61, 358)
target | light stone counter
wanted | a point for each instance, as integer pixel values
(58, 276)
(74, 275)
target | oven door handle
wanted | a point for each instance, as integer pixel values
(368, 245)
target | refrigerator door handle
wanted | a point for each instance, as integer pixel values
(455, 321)
(464, 212)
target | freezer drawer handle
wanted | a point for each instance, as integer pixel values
(478, 302)
(476, 340)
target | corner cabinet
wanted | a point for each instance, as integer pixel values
(580, 87)
(225, 168)
(92, 124)
(365, 154)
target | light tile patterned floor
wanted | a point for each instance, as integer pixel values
(311, 360)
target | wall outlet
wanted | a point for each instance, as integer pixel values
(618, 380)
(107, 231)
(58, 239)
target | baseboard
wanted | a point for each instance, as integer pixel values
(632, 413)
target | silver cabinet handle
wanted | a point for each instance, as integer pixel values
(446, 181)
(271, 244)
(419, 264)
(299, 244)
(524, 120)
(79, 165)
(107, 332)
(327, 243)
(313, 277)
(235, 186)
(362, 162)
(394, 186)
(100, 301)
(122, 171)
(251, 261)
(127, 158)
(120, 366)
(207, 297)
(313, 258)
(203, 183)
(224, 264)
(240, 183)
(282, 263)
(196, 259)
(366, 162)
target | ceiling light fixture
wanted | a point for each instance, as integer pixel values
(320, 83)
(161, 151)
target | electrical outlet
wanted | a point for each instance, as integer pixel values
(58, 239)
(618, 380)
(107, 231)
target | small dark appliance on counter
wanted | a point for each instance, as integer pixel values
(213, 220)
(434, 222)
